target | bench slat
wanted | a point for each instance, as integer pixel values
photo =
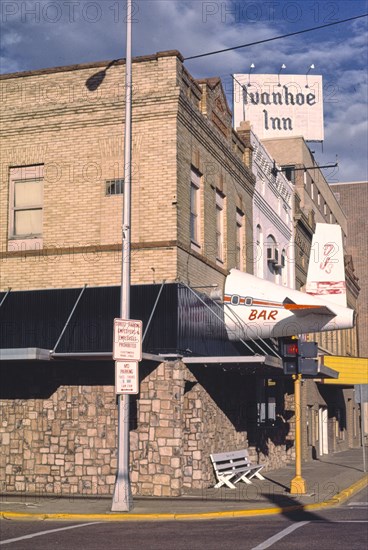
(218, 457)
(239, 468)
(230, 465)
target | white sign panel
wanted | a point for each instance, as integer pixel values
(126, 377)
(280, 105)
(127, 344)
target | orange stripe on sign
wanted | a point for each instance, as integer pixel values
(264, 303)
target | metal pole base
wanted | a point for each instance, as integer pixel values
(298, 486)
(122, 500)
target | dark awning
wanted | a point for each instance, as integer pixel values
(76, 321)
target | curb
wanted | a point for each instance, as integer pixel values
(338, 499)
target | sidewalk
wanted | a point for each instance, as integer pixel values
(329, 481)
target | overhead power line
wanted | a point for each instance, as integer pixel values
(276, 37)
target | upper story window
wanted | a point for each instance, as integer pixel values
(26, 202)
(219, 226)
(273, 259)
(115, 187)
(239, 239)
(195, 184)
(289, 172)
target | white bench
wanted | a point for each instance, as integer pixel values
(234, 466)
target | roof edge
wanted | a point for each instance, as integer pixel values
(95, 64)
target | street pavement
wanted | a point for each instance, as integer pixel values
(329, 481)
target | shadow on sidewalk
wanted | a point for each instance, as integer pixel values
(339, 465)
(287, 503)
(276, 482)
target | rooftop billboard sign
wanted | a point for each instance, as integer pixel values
(280, 105)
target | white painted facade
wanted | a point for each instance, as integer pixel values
(272, 220)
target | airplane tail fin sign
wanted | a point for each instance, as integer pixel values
(326, 271)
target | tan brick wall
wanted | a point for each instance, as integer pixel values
(79, 138)
(51, 117)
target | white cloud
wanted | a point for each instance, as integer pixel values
(10, 38)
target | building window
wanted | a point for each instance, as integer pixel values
(266, 401)
(239, 239)
(319, 198)
(273, 259)
(325, 209)
(289, 172)
(26, 202)
(219, 226)
(195, 184)
(312, 190)
(115, 187)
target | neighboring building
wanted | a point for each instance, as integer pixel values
(353, 199)
(315, 203)
(61, 211)
(273, 224)
(330, 415)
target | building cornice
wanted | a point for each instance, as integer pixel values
(95, 64)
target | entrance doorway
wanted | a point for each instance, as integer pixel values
(323, 430)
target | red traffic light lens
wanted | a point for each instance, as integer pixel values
(291, 349)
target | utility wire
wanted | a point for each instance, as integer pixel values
(275, 37)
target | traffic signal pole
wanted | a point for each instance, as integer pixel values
(298, 485)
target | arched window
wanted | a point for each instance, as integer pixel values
(272, 257)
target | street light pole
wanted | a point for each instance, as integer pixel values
(122, 498)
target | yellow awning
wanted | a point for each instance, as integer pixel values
(352, 370)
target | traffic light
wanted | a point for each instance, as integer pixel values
(307, 360)
(289, 353)
(299, 357)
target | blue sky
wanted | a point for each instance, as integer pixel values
(47, 33)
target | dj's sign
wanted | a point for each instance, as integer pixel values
(280, 105)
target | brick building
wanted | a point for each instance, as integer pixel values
(353, 199)
(273, 222)
(60, 232)
(316, 202)
(330, 415)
